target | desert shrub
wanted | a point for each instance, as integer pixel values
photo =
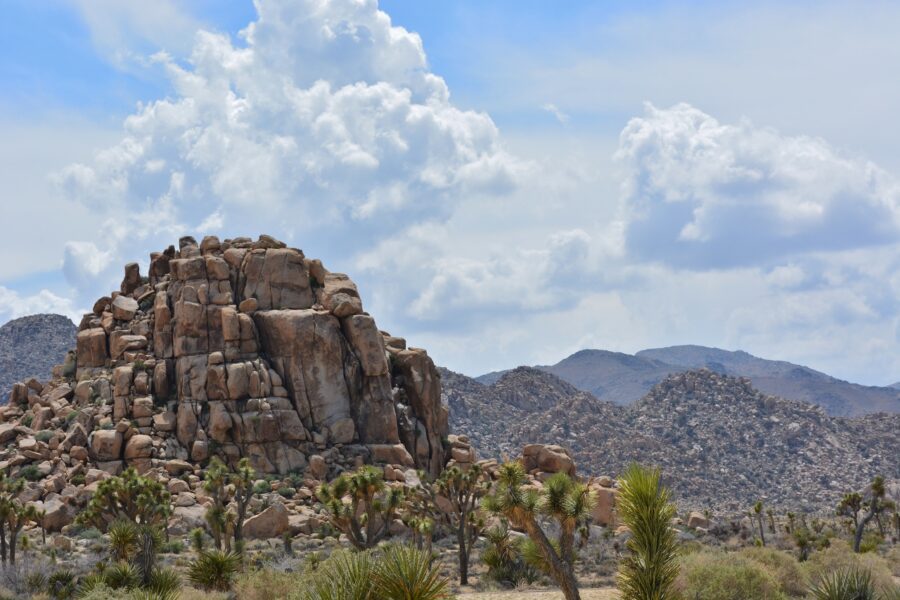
(786, 570)
(195, 594)
(343, 576)
(30, 473)
(214, 570)
(287, 492)
(172, 547)
(840, 557)
(77, 479)
(44, 435)
(122, 575)
(262, 487)
(893, 560)
(266, 584)
(721, 576)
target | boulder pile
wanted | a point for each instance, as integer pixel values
(234, 348)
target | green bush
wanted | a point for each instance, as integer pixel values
(786, 570)
(721, 576)
(30, 473)
(287, 492)
(44, 435)
(262, 487)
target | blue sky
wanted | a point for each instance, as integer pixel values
(508, 182)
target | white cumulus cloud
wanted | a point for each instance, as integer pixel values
(701, 193)
(323, 114)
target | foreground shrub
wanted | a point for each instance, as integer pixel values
(840, 557)
(266, 584)
(390, 573)
(851, 584)
(404, 572)
(721, 576)
(214, 570)
(783, 567)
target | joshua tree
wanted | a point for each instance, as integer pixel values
(648, 572)
(224, 486)
(129, 497)
(874, 506)
(16, 516)
(563, 500)
(463, 489)
(370, 507)
(758, 511)
(771, 516)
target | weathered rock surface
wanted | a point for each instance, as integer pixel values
(233, 349)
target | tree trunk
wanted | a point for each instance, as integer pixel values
(3, 544)
(12, 546)
(860, 529)
(463, 556)
(762, 535)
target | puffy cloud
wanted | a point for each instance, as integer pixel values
(14, 305)
(700, 193)
(324, 115)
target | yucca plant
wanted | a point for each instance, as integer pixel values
(164, 582)
(123, 540)
(343, 576)
(214, 570)
(405, 573)
(122, 575)
(503, 557)
(847, 584)
(564, 500)
(649, 570)
(61, 584)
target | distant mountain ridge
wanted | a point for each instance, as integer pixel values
(624, 378)
(31, 346)
(720, 442)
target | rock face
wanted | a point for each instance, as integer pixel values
(240, 349)
(721, 443)
(31, 346)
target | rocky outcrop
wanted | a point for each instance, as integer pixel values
(234, 348)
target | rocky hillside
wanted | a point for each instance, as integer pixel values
(31, 346)
(625, 378)
(721, 443)
(233, 349)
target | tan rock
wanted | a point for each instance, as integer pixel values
(138, 446)
(91, 348)
(697, 519)
(124, 308)
(270, 523)
(106, 445)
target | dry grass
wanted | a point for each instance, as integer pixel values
(596, 594)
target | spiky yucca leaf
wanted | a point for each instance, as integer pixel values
(122, 575)
(164, 581)
(123, 540)
(214, 570)
(649, 570)
(343, 576)
(404, 573)
(847, 584)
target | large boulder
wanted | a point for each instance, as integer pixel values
(106, 445)
(270, 523)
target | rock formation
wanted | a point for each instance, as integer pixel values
(237, 348)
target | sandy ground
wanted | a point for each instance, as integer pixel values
(596, 594)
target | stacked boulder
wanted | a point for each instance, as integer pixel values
(234, 348)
